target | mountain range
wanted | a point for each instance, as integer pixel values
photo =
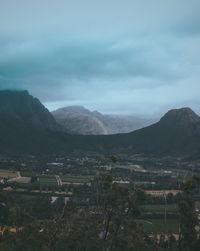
(26, 126)
(78, 120)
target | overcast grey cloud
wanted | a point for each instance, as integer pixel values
(113, 56)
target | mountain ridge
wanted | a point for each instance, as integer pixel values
(79, 120)
(177, 133)
(27, 110)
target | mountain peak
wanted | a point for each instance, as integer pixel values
(74, 109)
(183, 116)
(9, 92)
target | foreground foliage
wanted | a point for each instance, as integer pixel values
(106, 221)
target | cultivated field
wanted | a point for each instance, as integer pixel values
(48, 180)
(75, 179)
(160, 225)
(8, 174)
(160, 208)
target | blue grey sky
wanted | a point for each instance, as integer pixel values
(114, 56)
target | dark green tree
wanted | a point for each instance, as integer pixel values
(188, 217)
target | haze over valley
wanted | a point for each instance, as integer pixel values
(78, 120)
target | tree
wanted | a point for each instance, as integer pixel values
(118, 208)
(188, 217)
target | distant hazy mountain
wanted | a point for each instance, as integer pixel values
(78, 120)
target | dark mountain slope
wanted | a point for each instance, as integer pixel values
(27, 127)
(178, 132)
(25, 124)
(25, 110)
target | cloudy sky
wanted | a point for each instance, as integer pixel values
(115, 56)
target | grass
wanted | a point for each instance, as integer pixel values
(27, 173)
(159, 225)
(197, 204)
(47, 180)
(160, 208)
(76, 179)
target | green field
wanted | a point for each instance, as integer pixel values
(43, 179)
(27, 173)
(48, 180)
(159, 225)
(75, 179)
(160, 208)
(197, 204)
